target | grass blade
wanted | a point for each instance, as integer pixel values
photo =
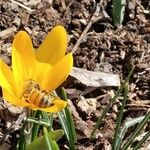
(116, 142)
(35, 128)
(139, 144)
(38, 121)
(136, 132)
(128, 124)
(49, 119)
(68, 124)
(62, 120)
(98, 123)
(22, 142)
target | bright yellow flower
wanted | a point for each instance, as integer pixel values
(48, 67)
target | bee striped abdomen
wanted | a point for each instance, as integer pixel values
(33, 94)
(40, 98)
(45, 101)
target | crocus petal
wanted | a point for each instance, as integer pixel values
(42, 69)
(6, 77)
(13, 99)
(23, 58)
(58, 74)
(58, 106)
(53, 47)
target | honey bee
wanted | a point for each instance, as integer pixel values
(34, 94)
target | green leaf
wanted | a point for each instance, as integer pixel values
(118, 12)
(51, 145)
(46, 141)
(56, 135)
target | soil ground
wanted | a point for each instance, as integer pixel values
(103, 47)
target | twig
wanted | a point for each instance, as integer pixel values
(7, 33)
(142, 8)
(22, 5)
(93, 19)
(63, 4)
(67, 8)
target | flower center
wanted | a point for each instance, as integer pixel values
(33, 94)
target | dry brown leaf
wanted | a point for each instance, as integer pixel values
(95, 79)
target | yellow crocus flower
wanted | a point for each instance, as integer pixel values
(47, 68)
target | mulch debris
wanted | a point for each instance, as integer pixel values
(97, 46)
